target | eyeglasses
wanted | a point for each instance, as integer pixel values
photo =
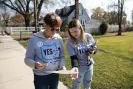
(53, 29)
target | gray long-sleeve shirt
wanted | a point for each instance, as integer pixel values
(45, 50)
(81, 50)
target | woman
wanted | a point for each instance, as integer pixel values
(80, 46)
(45, 53)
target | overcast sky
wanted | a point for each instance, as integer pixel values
(90, 4)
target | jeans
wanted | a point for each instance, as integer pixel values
(46, 81)
(85, 76)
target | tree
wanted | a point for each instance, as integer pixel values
(20, 6)
(113, 17)
(110, 17)
(113, 13)
(120, 15)
(25, 7)
(5, 15)
(0, 20)
(132, 16)
(17, 19)
(119, 6)
(98, 13)
(124, 18)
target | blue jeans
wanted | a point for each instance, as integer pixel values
(46, 81)
(85, 76)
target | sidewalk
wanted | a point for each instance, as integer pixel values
(14, 73)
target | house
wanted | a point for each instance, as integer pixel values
(93, 26)
(67, 14)
(93, 23)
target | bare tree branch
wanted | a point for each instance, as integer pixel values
(19, 7)
(25, 2)
(27, 5)
(14, 8)
(12, 4)
(39, 8)
(22, 5)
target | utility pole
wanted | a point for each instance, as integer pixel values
(35, 14)
(76, 9)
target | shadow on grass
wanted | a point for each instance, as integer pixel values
(118, 55)
(111, 35)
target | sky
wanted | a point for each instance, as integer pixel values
(90, 4)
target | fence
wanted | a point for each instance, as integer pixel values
(24, 32)
(21, 32)
(94, 29)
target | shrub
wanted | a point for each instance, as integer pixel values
(129, 28)
(103, 28)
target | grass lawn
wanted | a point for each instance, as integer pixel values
(113, 67)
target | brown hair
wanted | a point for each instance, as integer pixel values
(76, 23)
(52, 20)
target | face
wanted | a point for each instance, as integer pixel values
(75, 32)
(50, 31)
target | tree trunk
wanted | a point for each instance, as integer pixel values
(120, 28)
(27, 22)
(120, 24)
(7, 22)
(120, 15)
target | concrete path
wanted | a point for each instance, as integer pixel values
(14, 74)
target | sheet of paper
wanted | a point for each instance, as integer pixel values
(62, 72)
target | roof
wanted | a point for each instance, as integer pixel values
(72, 7)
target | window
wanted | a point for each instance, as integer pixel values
(80, 12)
(81, 21)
